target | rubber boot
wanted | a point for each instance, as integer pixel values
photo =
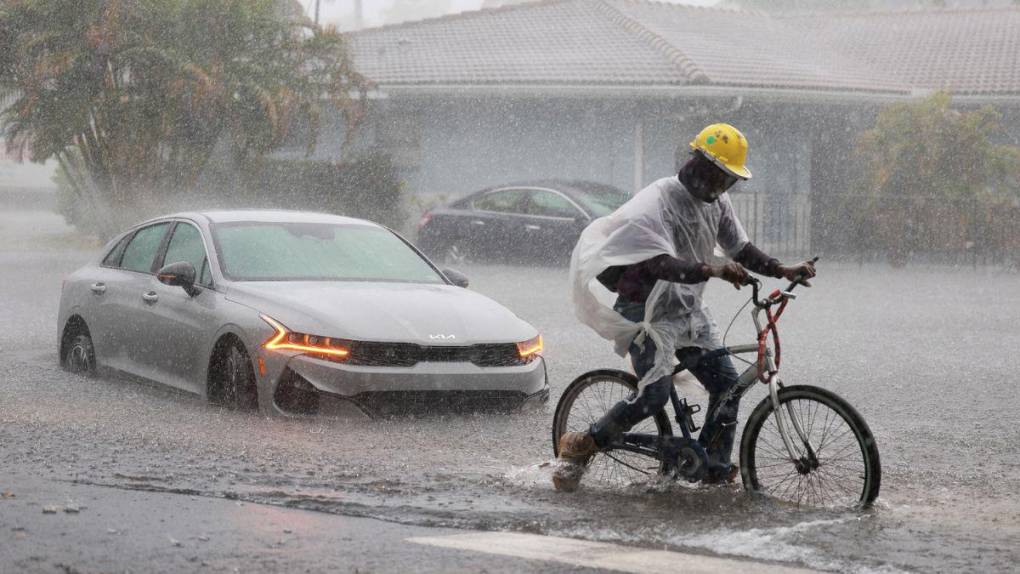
(576, 449)
(720, 469)
(609, 428)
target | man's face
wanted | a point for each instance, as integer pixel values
(709, 181)
(718, 183)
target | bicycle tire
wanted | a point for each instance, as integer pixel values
(612, 468)
(761, 459)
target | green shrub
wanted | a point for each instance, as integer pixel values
(933, 182)
(367, 187)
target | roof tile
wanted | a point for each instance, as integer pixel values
(561, 41)
(638, 42)
(965, 51)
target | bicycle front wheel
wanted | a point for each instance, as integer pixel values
(583, 403)
(840, 469)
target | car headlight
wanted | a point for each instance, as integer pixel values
(285, 340)
(530, 349)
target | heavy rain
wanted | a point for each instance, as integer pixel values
(292, 392)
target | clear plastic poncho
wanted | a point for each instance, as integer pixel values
(663, 218)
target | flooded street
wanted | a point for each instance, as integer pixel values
(926, 354)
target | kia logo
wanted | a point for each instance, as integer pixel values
(441, 337)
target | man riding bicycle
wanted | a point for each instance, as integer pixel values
(656, 253)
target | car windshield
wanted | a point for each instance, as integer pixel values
(260, 251)
(602, 201)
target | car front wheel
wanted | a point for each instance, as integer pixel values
(80, 357)
(233, 383)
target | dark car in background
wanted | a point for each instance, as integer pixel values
(523, 222)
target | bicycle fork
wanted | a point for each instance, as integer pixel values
(804, 458)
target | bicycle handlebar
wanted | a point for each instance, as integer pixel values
(800, 278)
(756, 286)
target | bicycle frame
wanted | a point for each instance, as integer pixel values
(764, 369)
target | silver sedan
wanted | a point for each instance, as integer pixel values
(275, 310)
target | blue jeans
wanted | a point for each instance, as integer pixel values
(717, 375)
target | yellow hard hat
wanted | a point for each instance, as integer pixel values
(726, 147)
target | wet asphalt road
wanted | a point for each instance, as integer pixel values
(927, 355)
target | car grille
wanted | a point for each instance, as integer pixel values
(386, 403)
(409, 354)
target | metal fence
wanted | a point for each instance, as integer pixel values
(969, 231)
(974, 231)
(779, 224)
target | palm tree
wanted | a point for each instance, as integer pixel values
(133, 97)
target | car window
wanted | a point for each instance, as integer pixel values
(259, 251)
(205, 276)
(602, 200)
(141, 252)
(186, 245)
(509, 201)
(112, 259)
(549, 204)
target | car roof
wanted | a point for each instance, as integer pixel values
(571, 187)
(269, 216)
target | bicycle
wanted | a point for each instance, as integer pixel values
(801, 443)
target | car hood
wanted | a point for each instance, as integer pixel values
(386, 312)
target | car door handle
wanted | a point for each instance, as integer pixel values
(150, 297)
(98, 288)
(531, 227)
(477, 222)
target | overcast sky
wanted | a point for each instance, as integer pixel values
(378, 12)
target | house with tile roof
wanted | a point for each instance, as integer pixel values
(612, 90)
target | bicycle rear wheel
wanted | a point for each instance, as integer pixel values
(845, 470)
(583, 403)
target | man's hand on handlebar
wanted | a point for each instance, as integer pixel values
(799, 273)
(731, 272)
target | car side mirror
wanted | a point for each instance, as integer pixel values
(180, 274)
(456, 277)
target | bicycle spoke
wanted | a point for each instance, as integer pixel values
(825, 429)
(621, 467)
(837, 438)
(774, 464)
(852, 493)
(849, 445)
(787, 482)
(840, 477)
(627, 465)
(778, 452)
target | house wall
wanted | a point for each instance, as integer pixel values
(469, 144)
(456, 146)
(448, 147)
(801, 153)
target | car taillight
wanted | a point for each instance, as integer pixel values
(284, 340)
(425, 219)
(530, 349)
